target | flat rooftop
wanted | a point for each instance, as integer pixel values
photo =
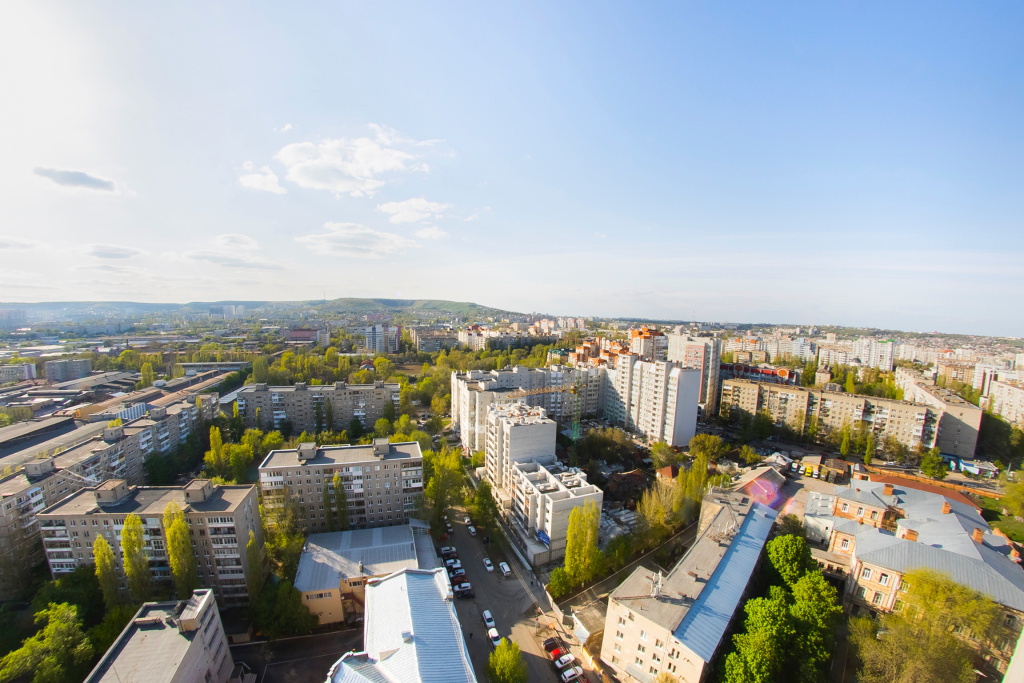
(150, 501)
(342, 455)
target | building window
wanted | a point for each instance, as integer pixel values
(862, 592)
(860, 512)
(846, 507)
(618, 648)
(865, 574)
(883, 579)
(618, 634)
(877, 599)
(659, 644)
(845, 545)
(643, 635)
(639, 661)
(622, 621)
(904, 585)
(641, 649)
(874, 514)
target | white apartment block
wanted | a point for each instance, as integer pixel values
(382, 482)
(704, 354)
(676, 623)
(544, 494)
(169, 642)
(17, 372)
(657, 399)
(515, 432)
(119, 452)
(382, 338)
(220, 518)
(875, 354)
(1006, 399)
(316, 408)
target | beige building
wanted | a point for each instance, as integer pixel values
(119, 452)
(220, 518)
(676, 623)
(169, 642)
(335, 567)
(382, 482)
(959, 420)
(316, 408)
(1006, 399)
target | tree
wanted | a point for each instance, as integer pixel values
(816, 613)
(444, 483)
(103, 634)
(272, 441)
(279, 611)
(179, 551)
(81, 589)
(135, 558)
(106, 571)
(790, 525)
(434, 425)
(663, 455)
(340, 503)
(583, 559)
(260, 370)
(869, 449)
(844, 446)
(147, 375)
(256, 571)
(760, 653)
(506, 664)
(790, 558)
(214, 458)
(59, 652)
(933, 465)
(559, 584)
(239, 457)
(708, 446)
(483, 508)
(850, 387)
(355, 428)
(382, 427)
(749, 455)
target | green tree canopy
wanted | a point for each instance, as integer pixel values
(135, 559)
(58, 653)
(179, 551)
(933, 465)
(506, 664)
(106, 571)
(790, 558)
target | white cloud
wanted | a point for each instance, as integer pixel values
(350, 166)
(76, 179)
(432, 233)
(111, 251)
(234, 240)
(413, 210)
(233, 250)
(264, 179)
(16, 244)
(287, 127)
(352, 239)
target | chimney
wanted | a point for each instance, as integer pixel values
(887, 490)
(978, 535)
(910, 534)
(946, 508)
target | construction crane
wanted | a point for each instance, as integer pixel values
(576, 390)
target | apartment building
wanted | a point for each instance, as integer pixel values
(411, 633)
(676, 623)
(657, 399)
(881, 530)
(382, 482)
(956, 370)
(318, 408)
(910, 423)
(17, 372)
(382, 338)
(648, 344)
(875, 354)
(179, 641)
(1006, 399)
(704, 354)
(220, 518)
(544, 494)
(431, 339)
(959, 420)
(335, 567)
(514, 432)
(118, 452)
(66, 370)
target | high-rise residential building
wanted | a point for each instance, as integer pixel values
(119, 452)
(648, 344)
(220, 518)
(1006, 399)
(17, 372)
(11, 319)
(676, 623)
(704, 354)
(66, 370)
(657, 399)
(411, 632)
(959, 420)
(875, 354)
(431, 339)
(383, 338)
(515, 432)
(316, 408)
(956, 370)
(179, 641)
(382, 482)
(544, 493)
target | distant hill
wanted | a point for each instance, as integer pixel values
(461, 308)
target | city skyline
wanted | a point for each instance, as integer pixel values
(665, 163)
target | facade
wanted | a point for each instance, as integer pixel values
(704, 354)
(1006, 399)
(956, 370)
(169, 642)
(382, 482)
(119, 452)
(17, 372)
(515, 432)
(676, 623)
(66, 370)
(959, 420)
(544, 493)
(220, 518)
(430, 340)
(335, 567)
(657, 399)
(308, 335)
(648, 344)
(411, 633)
(875, 354)
(383, 338)
(314, 409)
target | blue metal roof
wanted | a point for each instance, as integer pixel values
(705, 623)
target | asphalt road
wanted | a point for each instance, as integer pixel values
(297, 660)
(509, 601)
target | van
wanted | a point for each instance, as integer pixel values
(505, 570)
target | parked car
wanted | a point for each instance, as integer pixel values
(450, 529)
(552, 643)
(453, 564)
(467, 520)
(564, 661)
(457, 574)
(557, 654)
(488, 565)
(472, 530)
(465, 594)
(448, 552)
(492, 635)
(488, 619)
(573, 674)
(506, 571)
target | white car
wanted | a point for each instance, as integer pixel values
(488, 619)
(472, 530)
(564, 661)
(467, 520)
(573, 674)
(453, 564)
(506, 571)
(488, 565)
(492, 635)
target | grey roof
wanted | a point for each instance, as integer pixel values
(335, 455)
(327, 559)
(411, 634)
(152, 500)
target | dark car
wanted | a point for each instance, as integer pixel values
(552, 643)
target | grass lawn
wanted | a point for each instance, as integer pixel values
(992, 511)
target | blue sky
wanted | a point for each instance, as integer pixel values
(838, 163)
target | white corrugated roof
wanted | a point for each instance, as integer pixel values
(330, 558)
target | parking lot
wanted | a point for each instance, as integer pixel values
(509, 601)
